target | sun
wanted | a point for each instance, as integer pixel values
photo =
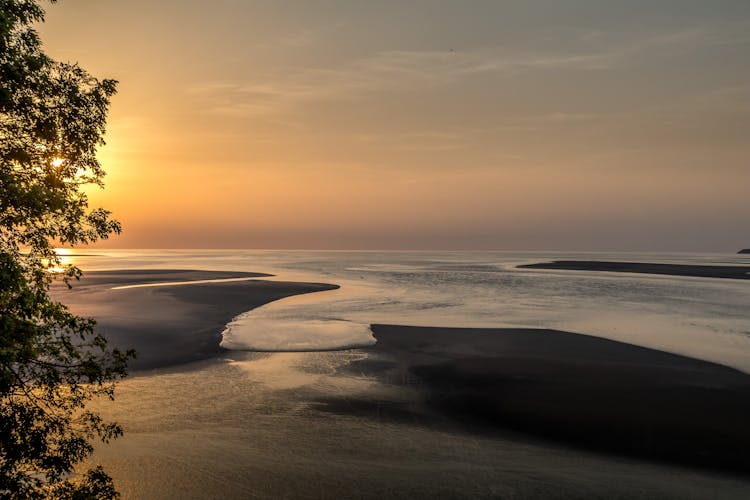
(56, 162)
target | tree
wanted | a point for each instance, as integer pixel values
(52, 363)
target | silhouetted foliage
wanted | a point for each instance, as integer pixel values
(52, 118)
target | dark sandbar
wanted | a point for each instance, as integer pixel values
(172, 324)
(731, 272)
(580, 389)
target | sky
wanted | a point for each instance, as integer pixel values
(513, 125)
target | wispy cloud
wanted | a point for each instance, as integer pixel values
(383, 72)
(407, 70)
(622, 46)
(429, 140)
(295, 40)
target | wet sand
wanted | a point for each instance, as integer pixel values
(729, 272)
(579, 389)
(172, 324)
(251, 425)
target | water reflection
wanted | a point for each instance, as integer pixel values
(700, 317)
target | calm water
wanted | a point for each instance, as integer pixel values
(700, 317)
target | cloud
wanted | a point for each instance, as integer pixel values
(278, 93)
(384, 72)
(428, 140)
(683, 39)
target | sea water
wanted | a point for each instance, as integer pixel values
(706, 318)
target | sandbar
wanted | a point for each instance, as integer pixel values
(172, 324)
(697, 271)
(579, 389)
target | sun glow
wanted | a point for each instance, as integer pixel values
(64, 255)
(56, 162)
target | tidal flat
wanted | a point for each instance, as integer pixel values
(425, 412)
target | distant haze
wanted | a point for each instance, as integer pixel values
(601, 124)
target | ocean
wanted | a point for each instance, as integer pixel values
(705, 318)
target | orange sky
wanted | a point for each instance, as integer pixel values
(412, 124)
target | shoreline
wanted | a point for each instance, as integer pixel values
(686, 270)
(577, 389)
(171, 324)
